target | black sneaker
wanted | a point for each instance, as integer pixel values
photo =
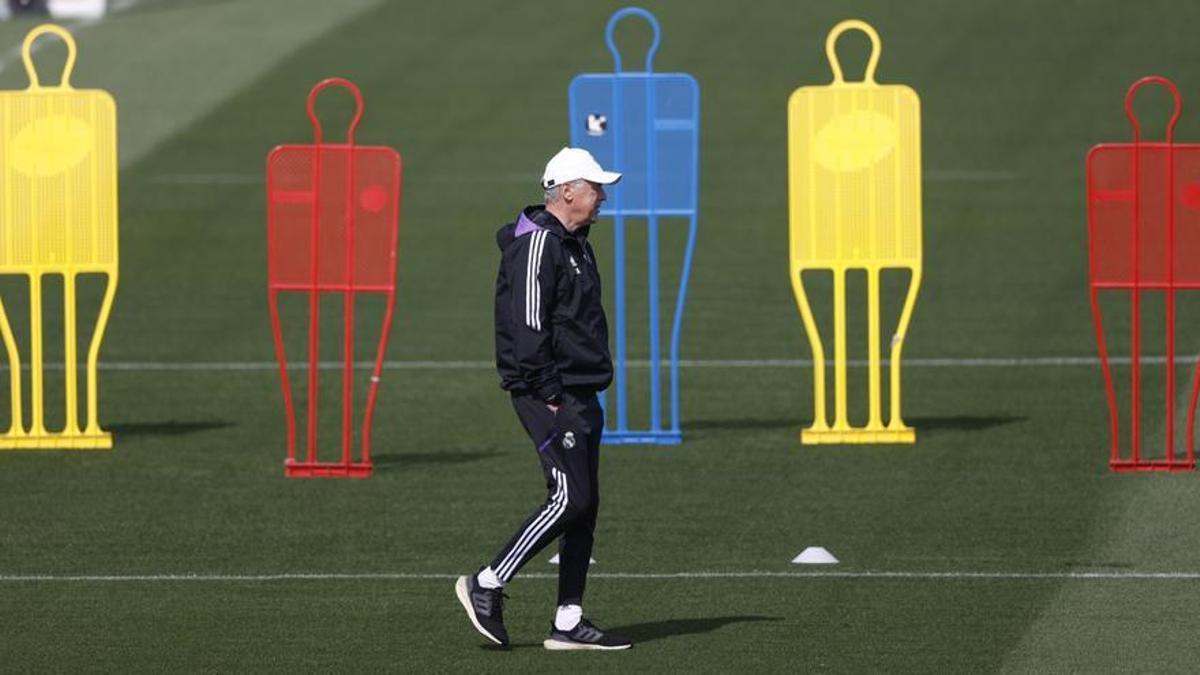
(584, 636)
(485, 607)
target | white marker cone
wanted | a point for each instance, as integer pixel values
(554, 560)
(815, 555)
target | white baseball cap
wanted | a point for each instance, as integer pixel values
(575, 163)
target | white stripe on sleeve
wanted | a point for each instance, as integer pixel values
(533, 290)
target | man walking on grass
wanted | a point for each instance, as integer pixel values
(552, 355)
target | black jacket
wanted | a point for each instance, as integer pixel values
(551, 331)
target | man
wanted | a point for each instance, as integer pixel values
(552, 355)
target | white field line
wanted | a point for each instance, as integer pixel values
(999, 362)
(660, 576)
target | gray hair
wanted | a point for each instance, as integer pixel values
(553, 194)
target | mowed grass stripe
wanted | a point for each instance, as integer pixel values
(1147, 523)
(13, 56)
(174, 63)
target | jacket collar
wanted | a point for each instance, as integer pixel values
(536, 217)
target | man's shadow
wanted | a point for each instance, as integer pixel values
(654, 630)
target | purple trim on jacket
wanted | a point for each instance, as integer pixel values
(525, 226)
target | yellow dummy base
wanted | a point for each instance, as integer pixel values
(827, 436)
(58, 441)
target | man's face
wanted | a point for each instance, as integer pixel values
(586, 201)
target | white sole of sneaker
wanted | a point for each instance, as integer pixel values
(561, 646)
(460, 589)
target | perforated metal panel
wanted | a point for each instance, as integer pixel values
(855, 173)
(354, 217)
(58, 193)
(1130, 189)
(854, 179)
(58, 215)
(332, 226)
(1144, 239)
(645, 125)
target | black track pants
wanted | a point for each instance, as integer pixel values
(568, 445)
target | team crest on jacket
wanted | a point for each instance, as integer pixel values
(568, 440)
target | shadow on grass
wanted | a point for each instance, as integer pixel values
(923, 425)
(394, 461)
(656, 630)
(170, 428)
(740, 424)
(961, 423)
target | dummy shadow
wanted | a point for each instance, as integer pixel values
(168, 428)
(962, 422)
(739, 424)
(922, 424)
(394, 461)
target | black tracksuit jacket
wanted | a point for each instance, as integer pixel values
(551, 332)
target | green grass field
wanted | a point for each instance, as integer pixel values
(967, 552)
